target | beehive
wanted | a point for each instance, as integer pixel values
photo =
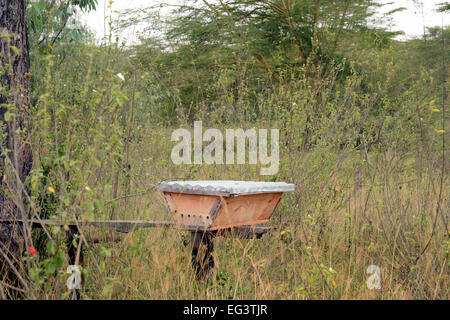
(213, 205)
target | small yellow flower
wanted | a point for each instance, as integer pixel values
(333, 283)
(51, 189)
(283, 232)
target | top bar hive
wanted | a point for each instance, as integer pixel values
(220, 204)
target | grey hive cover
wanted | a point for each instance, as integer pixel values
(225, 186)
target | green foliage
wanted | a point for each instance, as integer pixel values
(85, 4)
(51, 21)
(443, 7)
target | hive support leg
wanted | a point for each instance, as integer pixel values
(202, 253)
(72, 252)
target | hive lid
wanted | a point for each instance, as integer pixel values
(225, 187)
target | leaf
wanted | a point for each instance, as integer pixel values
(51, 268)
(16, 51)
(334, 283)
(51, 248)
(107, 252)
(58, 260)
(56, 230)
(8, 116)
(107, 290)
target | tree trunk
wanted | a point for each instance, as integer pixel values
(15, 152)
(316, 27)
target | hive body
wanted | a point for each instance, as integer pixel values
(214, 205)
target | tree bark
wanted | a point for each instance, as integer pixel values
(15, 152)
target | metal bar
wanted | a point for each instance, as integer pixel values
(126, 226)
(123, 226)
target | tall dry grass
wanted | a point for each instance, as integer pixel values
(325, 236)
